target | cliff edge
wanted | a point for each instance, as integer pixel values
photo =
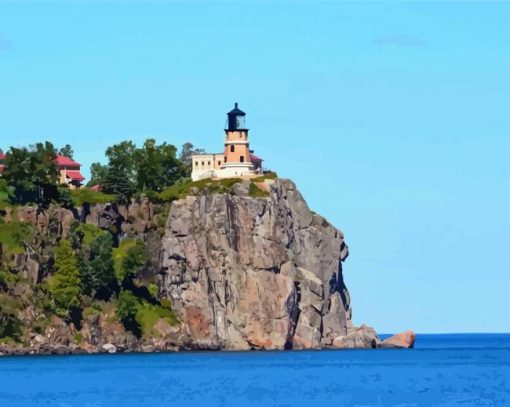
(248, 268)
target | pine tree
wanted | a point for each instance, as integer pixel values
(65, 284)
(102, 272)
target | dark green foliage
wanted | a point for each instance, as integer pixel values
(6, 192)
(98, 275)
(89, 196)
(64, 286)
(130, 258)
(10, 325)
(32, 173)
(127, 310)
(97, 174)
(118, 184)
(67, 151)
(157, 166)
(132, 171)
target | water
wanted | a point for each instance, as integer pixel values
(443, 370)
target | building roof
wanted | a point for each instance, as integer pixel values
(236, 111)
(2, 156)
(75, 175)
(253, 157)
(63, 160)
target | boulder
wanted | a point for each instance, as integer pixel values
(402, 340)
(109, 347)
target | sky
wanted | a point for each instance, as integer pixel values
(393, 119)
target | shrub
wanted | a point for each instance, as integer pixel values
(256, 192)
(127, 310)
(89, 196)
(65, 284)
(129, 258)
(10, 325)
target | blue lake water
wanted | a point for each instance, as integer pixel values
(443, 370)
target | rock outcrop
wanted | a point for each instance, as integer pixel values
(402, 340)
(256, 273)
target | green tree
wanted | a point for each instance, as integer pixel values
(65, 284)
(32, 173)
(10, 325)
(157, 167)
(117, 183)
(98, 174)
(122, 160)
(102, 274)
(67, 151)
(127, 310)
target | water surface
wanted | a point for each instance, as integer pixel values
(443, 370)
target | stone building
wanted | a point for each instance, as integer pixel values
(237, 160)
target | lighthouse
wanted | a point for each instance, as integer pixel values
(237, 160)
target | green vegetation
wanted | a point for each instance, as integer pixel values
(10, 325)
(89, 196)
(129, 258)
(65, 284)
(139, 316)
(132, 170)
(203, 185)
(256, 192)
(15, 235)
(32, 173)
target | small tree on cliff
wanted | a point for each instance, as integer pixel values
(65, 284)
(102, 273)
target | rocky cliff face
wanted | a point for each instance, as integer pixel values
(247, 272)
(241, 272)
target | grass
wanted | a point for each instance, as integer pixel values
(90, 232)
(204, 185)
(256, 192)
(89, 196)
(12, 235)
(148, 315)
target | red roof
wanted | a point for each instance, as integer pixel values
(253, 157)
(2, 156)
(75, 175)
(62, 160)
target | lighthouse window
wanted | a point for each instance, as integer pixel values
(208, 163)
(203, 163)
(219, 162)
(225, 158)
(232, 148)
(241, 159)
(196, 162)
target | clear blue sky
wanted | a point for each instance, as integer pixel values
(392, 118)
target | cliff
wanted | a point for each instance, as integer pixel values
(250, 267)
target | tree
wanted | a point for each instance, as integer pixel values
(127, 310)
(101, 275)
(65, 284)
(32, 173)
(157, 166)
(116, 182)
(98, 174)
(122, 160)
(67, 151)
(10, 325)
(187, 151)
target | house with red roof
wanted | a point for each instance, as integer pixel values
(2, 161)
(69, 170)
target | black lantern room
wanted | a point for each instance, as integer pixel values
(236, 119)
